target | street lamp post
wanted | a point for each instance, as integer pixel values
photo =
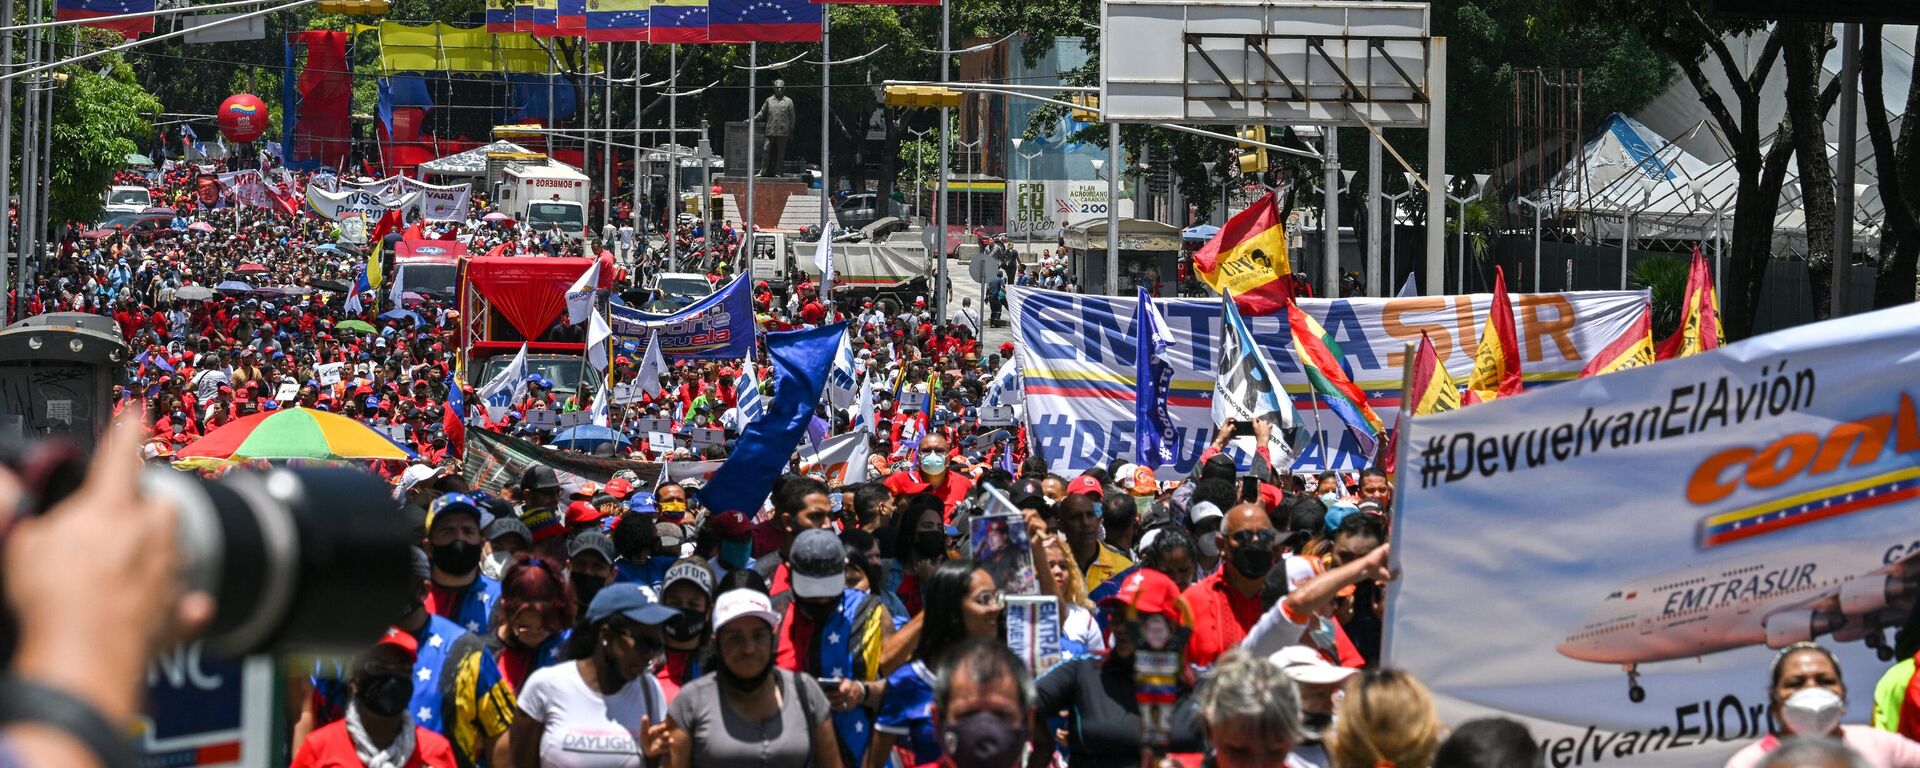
(1538, 206)
(1393, 240)
(969, 146)
(1027, 177)
(1460, 257)
(1719, 212)
(919, 163)
(1626, 235)
(703, 151)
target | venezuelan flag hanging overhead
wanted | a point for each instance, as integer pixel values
(546, 18)
(572, 21)
(523, 15)
(877, 2)
(499, 17)
(70, 10)
(617, 21)
(678, 21)
(764, 21)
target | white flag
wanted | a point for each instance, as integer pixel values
(865, 403)
(580, 294)
(1006, 387)
(840, 385)
(353, 306)
(599, 409)
(823, 261)
(399, 280)
(652, 367)
(597, 333)
(507, 387)
(751, 403)
(1245, 387)
(1408, 288)
(842, 459)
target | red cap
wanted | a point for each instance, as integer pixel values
(401, 640)
(618, 488)
(1006, 346)
(732, 525)
(581, 513)
(587, 490)
(1087, 486)
(1150, 592)
(1271, 498)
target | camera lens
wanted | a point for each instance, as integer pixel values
(297, 559)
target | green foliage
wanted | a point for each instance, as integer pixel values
(1666, 278)
(98, 120)
(1481, 214)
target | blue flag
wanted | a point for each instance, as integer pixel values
(800, 362)
(148, 358)
(1152, 377)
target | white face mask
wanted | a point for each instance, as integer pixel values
(494, 563)
(1813, 711)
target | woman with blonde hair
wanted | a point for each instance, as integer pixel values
(1079, 631)
(1386, 721)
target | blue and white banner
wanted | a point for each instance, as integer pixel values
(507, 387)
(1651, 535)
(1077, 362)
(718, 327)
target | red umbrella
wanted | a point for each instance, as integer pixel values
(251, 268)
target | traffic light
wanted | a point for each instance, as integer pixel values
(928, 96)
(1253, 160)
(354, 7)
(1089, 109)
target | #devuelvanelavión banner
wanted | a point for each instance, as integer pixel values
(1076, 355)
(1613, 561)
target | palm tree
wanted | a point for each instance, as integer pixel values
(1665, 277)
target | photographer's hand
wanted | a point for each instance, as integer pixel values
(95, 584)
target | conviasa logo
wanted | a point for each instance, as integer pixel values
(1852, 443)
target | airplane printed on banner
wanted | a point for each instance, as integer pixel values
(1849, 590)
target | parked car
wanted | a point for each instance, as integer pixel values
(862, 209)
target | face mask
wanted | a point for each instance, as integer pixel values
(683, 628)
(585, 587)
(1253, 562)
(673, 510)
(734, 553)
(1208, 545)
(495, 563)
(931, 545)
(383, 695)
(815, 612)
(933, 464)
(1329, 498)
(983, 740)
(743, 684)
(1813, 711)
(456, 557)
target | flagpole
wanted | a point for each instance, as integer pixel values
(753, 93)
(826, 165)
(672, 219)
(1326, 462)
(1406, 405)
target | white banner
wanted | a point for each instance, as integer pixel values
(1611, 560)
(247, 188)
(1076, 357)
(427, 201)
(1033, 631)
(329, 373)
(842, 458)
(1043, 206)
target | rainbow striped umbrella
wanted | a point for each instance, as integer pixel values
(296, 433)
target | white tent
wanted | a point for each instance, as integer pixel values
(472, 162)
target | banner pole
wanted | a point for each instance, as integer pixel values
(1399, 503)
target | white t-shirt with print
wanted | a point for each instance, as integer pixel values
(581, 728)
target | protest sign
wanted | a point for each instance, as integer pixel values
(1651, 535)
(494, 461)
(705, 436)
(911, 400)
(718, 327)
(207, 712)
(543, 418)
(289, 390)
(626, 393)
(653, 425)
(996, 415)
(574, 418)
(328, 373)
(660, 441)
(1033, 630)
(1076, 356)
(1000, 547)
(842, 459)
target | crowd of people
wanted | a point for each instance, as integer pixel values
(1226, 618)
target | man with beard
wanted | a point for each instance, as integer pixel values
(460, 591)
(836, 634)
(799, 504)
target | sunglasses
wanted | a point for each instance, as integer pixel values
(1261, 538)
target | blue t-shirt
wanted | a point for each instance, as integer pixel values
(906, 711)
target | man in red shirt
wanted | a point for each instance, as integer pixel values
(1227, 602)
(931, 475)
(382, 685)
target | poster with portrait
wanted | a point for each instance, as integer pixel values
(999, 544)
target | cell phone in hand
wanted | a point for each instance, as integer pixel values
(1250, 489)
(1240, 429)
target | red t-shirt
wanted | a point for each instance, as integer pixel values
(331, 747)
(1221, 616)
(950, 492)
(796, 641)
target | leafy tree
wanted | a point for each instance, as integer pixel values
(99, 117)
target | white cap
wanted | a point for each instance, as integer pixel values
(741, 603)
(1306, 666)
(413, 476)
(1203, 512)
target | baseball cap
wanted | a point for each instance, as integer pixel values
(395, 638)
(618, 488)
(742, 603)
(590, 541)
(581, 513)
(1306, 665)
(1086, 485)
(539, 477)
(503, 527)
(450, 503)
(1205, 511)
(693, 569)
(731, 525)
(818, 564)
(1149, 592)
(414, 475)
(671, 535)
(1027, 493)
(629, 600)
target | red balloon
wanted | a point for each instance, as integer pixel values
(242, 118)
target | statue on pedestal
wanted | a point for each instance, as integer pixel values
(779, 116)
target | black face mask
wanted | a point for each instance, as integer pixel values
(815, 612)
(456, 557)
(683, 628)
(983, 740)
(743, 684)
(931, 545)
(383, 695)
(585, 587)
(1252, 562)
